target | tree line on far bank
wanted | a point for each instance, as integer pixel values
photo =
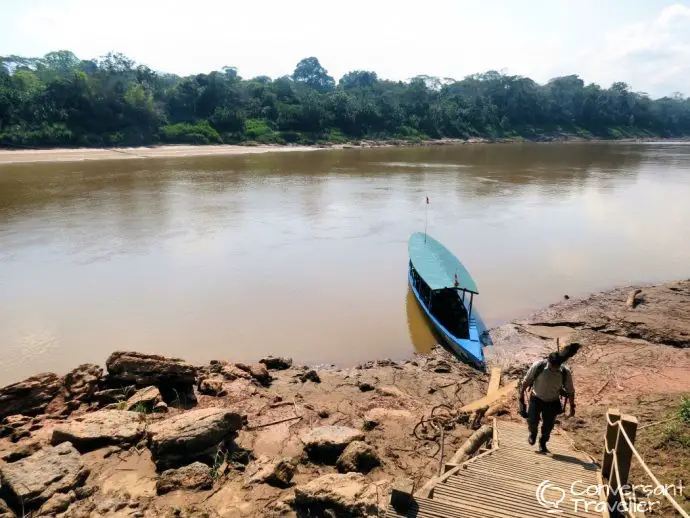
(61, 100)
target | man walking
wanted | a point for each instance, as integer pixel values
(549, 379)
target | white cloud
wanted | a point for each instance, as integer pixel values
(652, 56)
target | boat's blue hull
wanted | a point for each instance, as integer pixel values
(469, 350)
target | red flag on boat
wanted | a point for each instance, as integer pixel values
(427, 200)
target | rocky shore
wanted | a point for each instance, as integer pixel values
(155, 436)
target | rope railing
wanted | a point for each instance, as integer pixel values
(621, 431)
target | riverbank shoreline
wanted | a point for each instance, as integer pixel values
(269, 431)
(27, 156)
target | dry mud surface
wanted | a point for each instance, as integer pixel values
(153, 436)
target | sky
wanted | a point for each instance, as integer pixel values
(645, 43)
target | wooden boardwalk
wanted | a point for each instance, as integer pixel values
(504, 482)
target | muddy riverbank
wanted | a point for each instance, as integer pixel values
(154, 436)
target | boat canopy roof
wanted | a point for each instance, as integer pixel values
(437, 265)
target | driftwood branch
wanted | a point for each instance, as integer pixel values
(472, 444)
(632, 299)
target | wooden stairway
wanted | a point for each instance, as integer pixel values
(504, 482)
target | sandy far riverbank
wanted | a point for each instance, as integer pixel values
(25, 156)
(82, 154)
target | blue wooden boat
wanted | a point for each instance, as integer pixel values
(445, 291)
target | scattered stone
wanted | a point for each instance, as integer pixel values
(112, 505)
(114, 395)
(264, 470)
(31, 396)
(20, 434)
(258, 371)
(439, 366)
(358, 456)
(280, 507)
(391, 392)
(194, 476)
(383, 414)
(144, 400)
(5, 511)
(342, 495)
(366, 386)
(111, 450)
(16, 421)
(232, 372)
(98, 429)
(26, 449)
(211, 386)
(81, 383)
(161, 407)
(51, 470)
(325, 443)
(310, 375)
(85, 492)
(149, 369)
(57, 503)
(277, 363)
(191, 435)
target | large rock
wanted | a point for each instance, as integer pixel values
(31, 396)
(211, 386)
(267, 471)
(149, 369)
(326, 443)
(343, 495)
(191, 435)
(34, 480)
(145, 399)
(277, 363)
(358, 456)
(98, 429)
(194, 476)
(81, 383)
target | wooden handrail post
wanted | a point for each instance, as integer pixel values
(613, 415)
(623, 449)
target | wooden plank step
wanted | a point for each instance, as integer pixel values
(427, 508)
(539, 461)
(494, 381)
(482, 475)
(515, 507)
(535, 478)
(512, 487)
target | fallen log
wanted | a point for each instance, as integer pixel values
(472, 444)
(491, 398)
(497, 409)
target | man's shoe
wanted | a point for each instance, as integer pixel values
(543, 448)
(531, 440)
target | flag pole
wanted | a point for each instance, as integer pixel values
(426, 216)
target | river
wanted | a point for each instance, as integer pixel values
(304, 254)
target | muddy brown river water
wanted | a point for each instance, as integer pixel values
(305, 254)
